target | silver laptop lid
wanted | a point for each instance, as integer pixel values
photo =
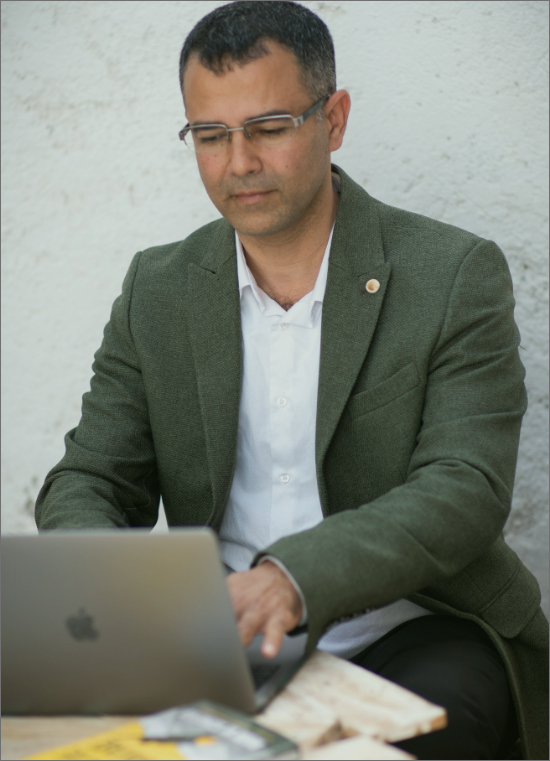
(118, 622)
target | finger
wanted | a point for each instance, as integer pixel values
(248, 625)
(274, 632)
(238, 593)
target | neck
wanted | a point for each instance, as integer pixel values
(286, 265)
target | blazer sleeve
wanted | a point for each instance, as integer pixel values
(457, 493)
(108, 476)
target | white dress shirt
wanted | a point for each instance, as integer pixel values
(274, 491)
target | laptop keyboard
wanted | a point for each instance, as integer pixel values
(262, 672)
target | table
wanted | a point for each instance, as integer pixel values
(331, 708)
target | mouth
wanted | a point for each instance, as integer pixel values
(251, 196)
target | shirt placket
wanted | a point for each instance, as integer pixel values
(281, 422)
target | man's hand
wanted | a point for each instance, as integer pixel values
(265, 602)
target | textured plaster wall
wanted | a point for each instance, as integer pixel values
(449, 119)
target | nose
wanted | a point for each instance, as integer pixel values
(243, 156)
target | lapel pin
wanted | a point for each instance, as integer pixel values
(372, 286)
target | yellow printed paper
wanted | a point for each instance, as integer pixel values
(123, 744)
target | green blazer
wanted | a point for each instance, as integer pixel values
(419, 409)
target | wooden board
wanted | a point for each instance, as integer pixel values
(350, 700)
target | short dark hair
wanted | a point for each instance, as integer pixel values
(235, 33)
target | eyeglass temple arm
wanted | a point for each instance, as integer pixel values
(301, 119)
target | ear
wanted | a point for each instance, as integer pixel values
(336, 117)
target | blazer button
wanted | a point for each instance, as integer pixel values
(372, 286)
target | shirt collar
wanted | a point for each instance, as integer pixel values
(305, 311)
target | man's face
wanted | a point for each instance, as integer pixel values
(259, 191)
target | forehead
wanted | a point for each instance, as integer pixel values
(241, 92)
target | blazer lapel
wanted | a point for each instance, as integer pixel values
(350, 312)
(214, 320)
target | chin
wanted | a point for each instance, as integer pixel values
(261, 224)
(255, 230)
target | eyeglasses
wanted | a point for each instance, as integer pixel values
(264, 131)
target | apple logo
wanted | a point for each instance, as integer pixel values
(81, 626)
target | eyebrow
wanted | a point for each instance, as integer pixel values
(273, 112)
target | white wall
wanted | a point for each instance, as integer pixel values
(449, 119)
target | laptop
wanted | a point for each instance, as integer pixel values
(126, 622)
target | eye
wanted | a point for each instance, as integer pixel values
(205, 136)
(209, 139)
(272, 131)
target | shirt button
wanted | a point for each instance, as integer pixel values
(285, 478)
(284, 326)
(281, 401)
(372, 286)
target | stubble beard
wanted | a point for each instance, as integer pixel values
(288, 205)
(285, 210)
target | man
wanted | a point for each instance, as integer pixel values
(334, 386)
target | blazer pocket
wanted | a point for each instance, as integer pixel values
(515, 606)
(404, 380)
